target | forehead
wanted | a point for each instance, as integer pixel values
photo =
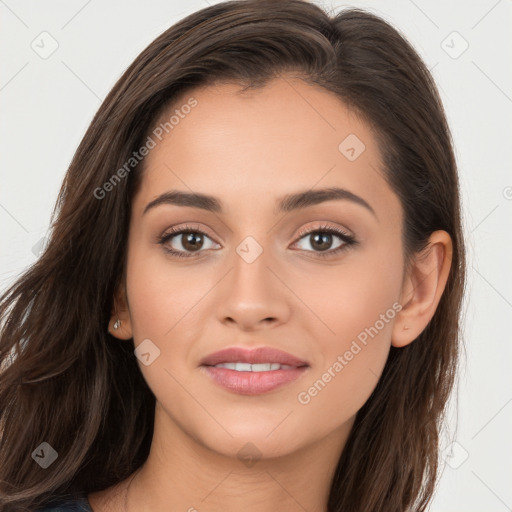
(250, 148)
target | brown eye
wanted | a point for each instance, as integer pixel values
(192, 241)
(321, 241)
(185, 242)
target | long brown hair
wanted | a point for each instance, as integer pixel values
(66, 381)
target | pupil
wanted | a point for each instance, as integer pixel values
(322, 241)
(192, 241)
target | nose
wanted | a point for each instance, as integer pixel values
(254, 295)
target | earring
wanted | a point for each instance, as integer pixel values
(117, 324)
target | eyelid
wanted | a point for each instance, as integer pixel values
(174, 230)
(324, 227)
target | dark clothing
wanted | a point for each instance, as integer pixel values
(70, 505)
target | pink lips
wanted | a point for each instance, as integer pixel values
(257, 355)
(248, 382)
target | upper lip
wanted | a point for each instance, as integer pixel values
(257, 355)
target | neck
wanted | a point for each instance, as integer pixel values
(181, 473)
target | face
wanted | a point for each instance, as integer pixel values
(318, 278)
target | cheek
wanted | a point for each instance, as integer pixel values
(357, 306)
(348, 298)
(162, 295)
(164, 302)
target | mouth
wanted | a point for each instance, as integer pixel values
(256, 367)
(252, 372)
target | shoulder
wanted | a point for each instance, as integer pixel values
(80, 504)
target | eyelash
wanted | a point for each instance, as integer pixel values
(348, 240)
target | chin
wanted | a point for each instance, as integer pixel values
(260, 439)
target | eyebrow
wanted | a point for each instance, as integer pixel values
(288, 203)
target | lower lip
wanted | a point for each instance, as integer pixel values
(252, 383)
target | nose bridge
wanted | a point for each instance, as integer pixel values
(253, 294)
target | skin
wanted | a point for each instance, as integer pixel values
(249, 150)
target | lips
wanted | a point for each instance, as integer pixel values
(255, 356)
(253, 372)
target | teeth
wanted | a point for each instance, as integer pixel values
(257, 367)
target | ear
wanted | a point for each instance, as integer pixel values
(423, 288)
(121, 313)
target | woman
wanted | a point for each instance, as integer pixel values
(250, 298)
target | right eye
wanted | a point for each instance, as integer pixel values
(188, 241)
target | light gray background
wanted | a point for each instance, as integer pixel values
(47, 103)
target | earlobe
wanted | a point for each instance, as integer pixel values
(120, 322)
(119, 329)
(423, 289)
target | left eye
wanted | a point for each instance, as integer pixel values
(319, 240)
